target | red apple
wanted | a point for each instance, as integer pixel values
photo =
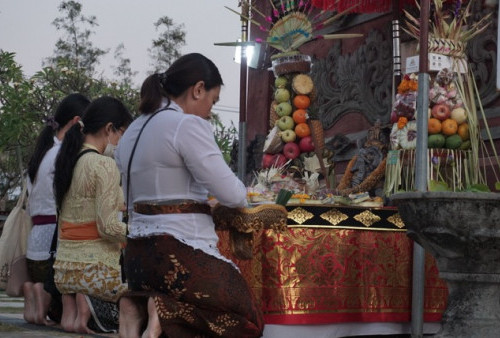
(273, 160)
(267, 161)
(291, 150)
(306, 144)
(441, 111)
(279, 160)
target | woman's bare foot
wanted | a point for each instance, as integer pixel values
(153, 330)
(42, 302)
(82, 316)
(132, 317)
(69, 312)
(29, 302)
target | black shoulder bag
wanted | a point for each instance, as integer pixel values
(125, 214)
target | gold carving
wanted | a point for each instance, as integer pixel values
(334, 216)
(396, 220)
(367, 218)
(300, 215)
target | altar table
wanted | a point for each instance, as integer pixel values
(337, 265)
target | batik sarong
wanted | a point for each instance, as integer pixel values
(196, 294)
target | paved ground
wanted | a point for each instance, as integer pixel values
(13, 325)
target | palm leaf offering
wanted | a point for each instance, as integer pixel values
(448, 22)
(294, 23)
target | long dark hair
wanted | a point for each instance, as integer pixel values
(99, 113)
(182, 74)
(71, 106)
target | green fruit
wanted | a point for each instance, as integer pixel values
(436, 141)
(280, 82)
(281, 95)
(465, 145)
(284, 109)
(453, 142)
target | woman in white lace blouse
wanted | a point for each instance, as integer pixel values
(90, 199)
(42, 209)
(172, 262)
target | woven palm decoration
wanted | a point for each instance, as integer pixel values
(294, 23)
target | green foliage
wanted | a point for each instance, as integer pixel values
(224, 136)
(438, 186)
(123, 71)
(166, 48)
(478, 188)
(75, 46)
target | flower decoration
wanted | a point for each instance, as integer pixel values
(409, 83)
(294, 23)
(405, 103)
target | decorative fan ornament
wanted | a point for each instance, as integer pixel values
(362, 6)
(294, 23)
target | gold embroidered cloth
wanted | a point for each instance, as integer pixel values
(317, 275)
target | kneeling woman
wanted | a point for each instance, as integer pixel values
(172, 256)
(89, 199)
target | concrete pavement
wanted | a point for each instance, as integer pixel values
(13, 325)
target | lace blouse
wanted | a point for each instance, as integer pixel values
(94, 195)
(177, 158)
(41, 202)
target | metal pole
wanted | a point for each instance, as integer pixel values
(417, 309)
(242, 133)
(396, 43)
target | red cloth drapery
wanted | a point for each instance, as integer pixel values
(365, 6)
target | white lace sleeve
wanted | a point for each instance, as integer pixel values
(109, 200)
(203, 158)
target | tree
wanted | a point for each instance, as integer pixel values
(76, 45)
(123, 71)
(166, 47)
(17, 115)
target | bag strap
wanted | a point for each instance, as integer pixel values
(53, 245)
(125, 214)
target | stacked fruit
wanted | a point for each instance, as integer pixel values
(291, 134)
(447, 125)
(404, 130)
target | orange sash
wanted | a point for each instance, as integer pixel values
(79, 231)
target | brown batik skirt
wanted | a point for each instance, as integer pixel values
(196, 294)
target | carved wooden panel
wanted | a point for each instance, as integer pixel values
(362, 81)
(482, 53)
(359, 82)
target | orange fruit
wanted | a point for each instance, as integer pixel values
(301, 101)
(299, 116)
(463, 131)
(302, 130)
(434, 126)
(449, 127)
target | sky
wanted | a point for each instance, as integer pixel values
(26, 29)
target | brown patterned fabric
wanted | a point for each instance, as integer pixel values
(182, 208)
(196, 294)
